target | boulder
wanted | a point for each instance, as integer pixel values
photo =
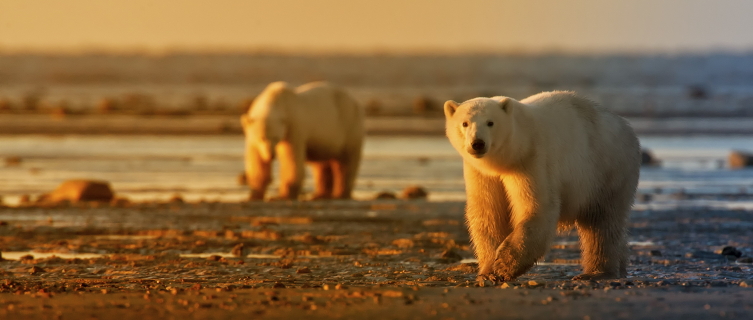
(740, 159)
(414, 192)
(648, 159)
(80, 190)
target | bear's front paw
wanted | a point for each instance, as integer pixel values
(489, 279)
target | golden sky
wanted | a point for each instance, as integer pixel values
(384, 25)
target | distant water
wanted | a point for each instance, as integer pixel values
(207, 167)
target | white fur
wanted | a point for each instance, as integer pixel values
(553, 158)
(315, 123)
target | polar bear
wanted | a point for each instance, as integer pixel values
(316, 123)
(551, 160)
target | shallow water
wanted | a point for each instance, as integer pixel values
(207, 167)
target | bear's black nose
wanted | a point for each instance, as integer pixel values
(478, 145)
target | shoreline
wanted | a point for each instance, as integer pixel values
(229, 125)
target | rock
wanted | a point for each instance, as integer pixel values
(80, 190)
(239, 250)
(745, 260)
(648, 159)
(731, 251)
(698, 92)
(278, 285)
(385, 195)
(242, 179)
(13, 161)
(176, 198)
(35, 270)
(746, 284)
(373, 107)
(740, 159)
(655, 253)
(425, 105)
(107, 105)
(450, 256)
(414, 192)
(303, 270)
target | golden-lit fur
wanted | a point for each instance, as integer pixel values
(551, 159)
(315, 123)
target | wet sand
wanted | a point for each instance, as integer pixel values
(344, 259)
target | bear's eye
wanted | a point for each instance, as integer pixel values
(465, 124)
(490, 123)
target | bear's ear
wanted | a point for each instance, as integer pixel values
(449, 108)
(505, 105)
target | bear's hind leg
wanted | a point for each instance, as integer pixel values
(603, 241)
(323, 180)
(344, 172)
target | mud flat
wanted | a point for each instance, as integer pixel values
(370, 259)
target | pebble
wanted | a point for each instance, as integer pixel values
(303, 270)
(731, 251)
(745, 260)
(414, 192)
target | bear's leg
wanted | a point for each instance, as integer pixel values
(344, 172)
(487, 214)
(526, 244)
(603, 241)
(258, 173)
(292, 170)
(323, 180)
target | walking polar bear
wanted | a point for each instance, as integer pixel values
(316, 123)
(552, 159)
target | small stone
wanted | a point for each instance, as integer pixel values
(648, 159)
(214, 257)
(746, 284)
(80, 190)
(505, 286)
(340, 286)
(35, 270)
(414, 192)
(655, 253)
(731, 251)
(385, 195)
(303, 270)
(239, 250)
(533, 283)
(278, 285)
(740, 159)
(450, 255)
(242, 179)
(13, 161)
(176, 198)
(26, 257)
(745, 260)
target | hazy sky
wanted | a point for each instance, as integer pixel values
(386, 25)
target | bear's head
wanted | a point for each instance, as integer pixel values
(265, 123)
(480, 127)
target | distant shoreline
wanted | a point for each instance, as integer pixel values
(229, 125)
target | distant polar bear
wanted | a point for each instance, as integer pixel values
(552, 159)
(316, 123)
